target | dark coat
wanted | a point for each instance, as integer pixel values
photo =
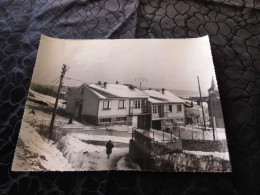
(109, 147)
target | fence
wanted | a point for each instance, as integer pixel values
(197, 134)
(154, 135)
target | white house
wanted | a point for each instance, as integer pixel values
(166, 109)
(109, 104)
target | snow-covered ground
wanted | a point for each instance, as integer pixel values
(84, 156)
(100, 137)
(45, 98)
(82, 148)
(33, 153)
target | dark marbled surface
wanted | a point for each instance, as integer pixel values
(234, 30)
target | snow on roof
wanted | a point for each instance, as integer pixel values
(117, 90)
(152, 100)
(98, 94)
(163, 98)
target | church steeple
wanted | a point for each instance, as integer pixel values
(213, 86)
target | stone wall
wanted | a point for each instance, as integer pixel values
(175, 160)
(205, 145)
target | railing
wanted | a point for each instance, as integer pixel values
(152, 135)
(193, 133)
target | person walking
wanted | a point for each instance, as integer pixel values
(109, 147)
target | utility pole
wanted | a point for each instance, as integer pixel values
(140, 80)
(213, 122)
(201, 104)
(63, 71)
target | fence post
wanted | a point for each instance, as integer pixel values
(163, 135)
(203, 135)
(171, 136)
(179, 134)
(153, 135)
(192, 135)
(132, 133)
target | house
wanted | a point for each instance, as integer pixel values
(194, 113)
(214, 107)
(107, 104)
(166, 109)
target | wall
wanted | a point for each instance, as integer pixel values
(160, 148)
(90, 105)
(174, 113)
(205, 145)
(170, 115)
(88, 99)
(71, 100)
(114, 111)
(176, 161)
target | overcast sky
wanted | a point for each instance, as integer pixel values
(165, 63)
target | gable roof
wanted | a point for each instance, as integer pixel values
(117, 90)
(158, 97)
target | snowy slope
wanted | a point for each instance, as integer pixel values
(33, 153)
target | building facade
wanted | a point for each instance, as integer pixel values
(108, 104)
(167, 110)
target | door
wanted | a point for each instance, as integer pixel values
(156, 124)
(161, 111)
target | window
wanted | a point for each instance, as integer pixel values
(170, 108)
(82, 90)
(121, 119)
(105, 120)
(169, 120)
(179, 108)
(155, 109)
(106, 105)
(137, 104)
(121, 104)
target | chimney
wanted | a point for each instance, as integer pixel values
(117, 82)
(150, 88)
(163, 90)
(99, 83)
(191, 104)
(105, 85)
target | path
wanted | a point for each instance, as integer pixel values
(97, 161)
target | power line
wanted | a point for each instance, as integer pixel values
(55, 79)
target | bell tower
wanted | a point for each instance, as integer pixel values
(212, 90)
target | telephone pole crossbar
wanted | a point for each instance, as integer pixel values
(63, 71)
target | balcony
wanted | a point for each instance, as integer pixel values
(143, 110)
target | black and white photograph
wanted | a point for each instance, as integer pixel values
(123, 104)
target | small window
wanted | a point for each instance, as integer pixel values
(82, 90)
(107, 105)
(179, 109)
(105, 120)
(170, 108)
(121, 104)
(155, 109)
(137, 104)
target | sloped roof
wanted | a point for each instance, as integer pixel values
(163, 98)
(117, 90)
